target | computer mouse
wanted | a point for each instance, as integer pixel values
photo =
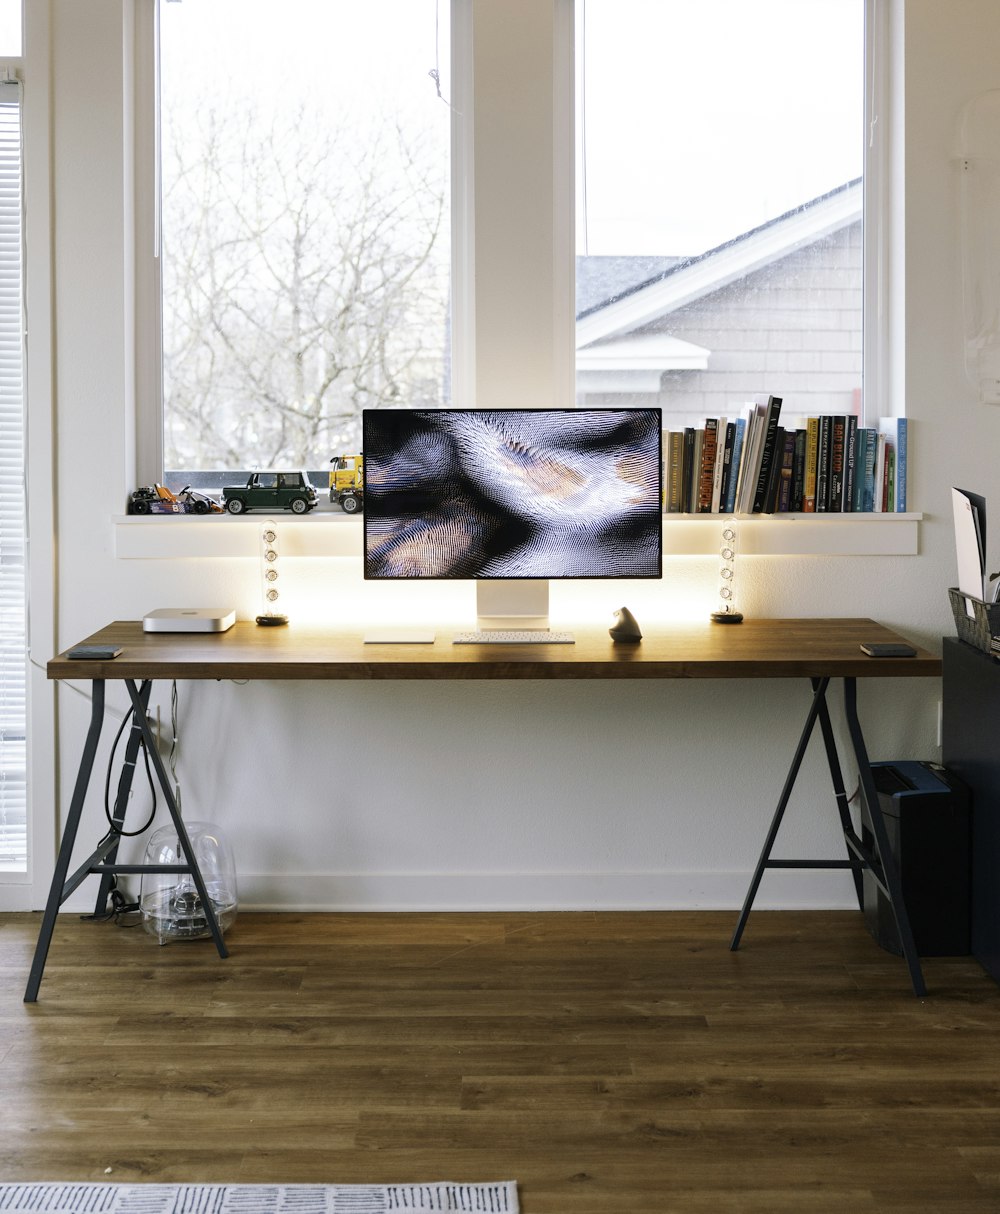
(625, 627)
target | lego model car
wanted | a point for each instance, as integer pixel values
(158, 499)
(272, 491)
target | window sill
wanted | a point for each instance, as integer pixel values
(179, 537)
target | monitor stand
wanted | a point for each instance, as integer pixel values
(508, 605)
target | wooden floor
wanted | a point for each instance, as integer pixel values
(607, 1062)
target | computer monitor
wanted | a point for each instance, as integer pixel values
(512, 498)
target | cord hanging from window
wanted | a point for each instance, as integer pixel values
(435, 72)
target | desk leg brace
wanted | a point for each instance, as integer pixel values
(102, 860)
(880, 861)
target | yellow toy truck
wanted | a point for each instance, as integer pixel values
(347, 482)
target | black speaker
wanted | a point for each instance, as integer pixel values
(926, 810)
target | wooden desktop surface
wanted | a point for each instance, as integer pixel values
(757, 649)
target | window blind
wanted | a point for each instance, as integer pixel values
(13, 540)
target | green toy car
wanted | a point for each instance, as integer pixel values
(272, 491)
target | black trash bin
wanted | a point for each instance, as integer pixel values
(927, 819)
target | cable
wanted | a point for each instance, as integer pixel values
(116, 828)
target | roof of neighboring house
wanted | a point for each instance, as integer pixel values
(603, 278)
(637, 297)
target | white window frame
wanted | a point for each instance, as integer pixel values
(513, 174)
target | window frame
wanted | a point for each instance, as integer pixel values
(482, 334)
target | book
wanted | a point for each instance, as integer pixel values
(823, 463)
(878, 496)
(734, 469)
(687, 468)
(675, 470)
(706, 466)
(751, 459)
(720, 463)
(850, 461)
(798, 471)
(868, 477)
(785, 473)
(838, 433)
(774, 479)
(860, 455)
(770, 434)
(812, 455)
(728, 447)
(692, 501)
(894, 429)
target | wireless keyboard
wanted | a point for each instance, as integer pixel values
(525, 636)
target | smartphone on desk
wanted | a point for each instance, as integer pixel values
(93, 653)
(887, 649)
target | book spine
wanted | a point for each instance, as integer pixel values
(798, 471)
(675, 464)
(688, 468)
(774, 480)
(729, 443)
(879, 495)
(838, 430)
(720, 464)
(901, 442)
(784, 497)
(850, 461)
(860, 455)
(812, 455)
(823, 464)
(735, 467)
(706, 472)
(692, 501)
(751, 459)
(767, 453)
(871, 455)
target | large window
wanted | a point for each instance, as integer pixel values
(720, 155)
(305, 269)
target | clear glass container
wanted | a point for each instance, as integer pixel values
(169, 902)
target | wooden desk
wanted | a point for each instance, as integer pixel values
(818, 650)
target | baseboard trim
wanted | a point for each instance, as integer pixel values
(780, 890)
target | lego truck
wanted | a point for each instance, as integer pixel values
(347, 482)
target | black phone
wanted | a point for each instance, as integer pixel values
(94, 653)
(887, 649)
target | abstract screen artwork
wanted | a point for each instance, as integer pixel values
(512, 493)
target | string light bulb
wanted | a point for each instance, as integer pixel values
(727, 612)
(270, 578)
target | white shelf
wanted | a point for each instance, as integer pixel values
(179, 537)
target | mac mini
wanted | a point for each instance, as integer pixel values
(189, 619)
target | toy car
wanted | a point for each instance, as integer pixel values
(272, 491)
(347, 483)
(158, 499)
(198, 502)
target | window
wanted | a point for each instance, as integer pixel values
(305, 264)
(13, 639)
(720, 154)
(10, 28)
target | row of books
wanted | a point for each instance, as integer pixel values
(753, 465)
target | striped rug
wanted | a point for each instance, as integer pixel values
(61, 1198)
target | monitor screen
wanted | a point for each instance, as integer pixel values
(512, 493)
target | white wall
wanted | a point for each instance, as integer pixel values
(471, 794)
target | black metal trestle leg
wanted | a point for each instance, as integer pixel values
(878, 861)
(56, 895)
(103, 860)
(819, 711)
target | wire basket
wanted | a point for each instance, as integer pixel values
(981, 626)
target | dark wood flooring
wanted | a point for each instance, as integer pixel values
(624, 1063)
